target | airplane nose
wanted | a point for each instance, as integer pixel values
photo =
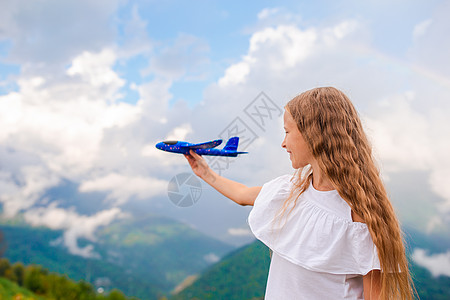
(159, 145)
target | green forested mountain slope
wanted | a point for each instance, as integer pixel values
(240, 275)
(32, 246)
(144, 257)
(19, 282)
(160, 249)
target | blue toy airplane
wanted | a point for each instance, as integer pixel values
(206, 148)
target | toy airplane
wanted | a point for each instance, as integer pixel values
(206, 148)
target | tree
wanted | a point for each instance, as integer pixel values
(2, 244)
(116, 295)
(4, 266)
(63, 288)
(85, 291)
(34, 280)
(19, 272)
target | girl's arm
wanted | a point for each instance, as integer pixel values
(372, 280)
(372, 285)
(239, 193)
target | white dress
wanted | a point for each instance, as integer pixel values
(318, 251)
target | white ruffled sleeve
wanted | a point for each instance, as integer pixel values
(318, 234)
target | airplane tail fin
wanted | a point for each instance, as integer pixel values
(232, 144)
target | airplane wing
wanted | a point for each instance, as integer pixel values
(206, 145)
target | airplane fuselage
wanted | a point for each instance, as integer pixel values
(185, 147)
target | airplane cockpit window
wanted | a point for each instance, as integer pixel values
(170, 142)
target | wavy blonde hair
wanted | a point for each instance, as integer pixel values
(331, 127)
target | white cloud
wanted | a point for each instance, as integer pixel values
(408, 138)
(211, 258)
(66, 122)
(434, 222)
(437, 264)
(239, 232)
(186, 59)
(96, 68)
(266, 12)
(75, 225)
(58, 123)
(21, 190)
(136, 41)
(154, 98)
(421, 28)
(340, 30)
(430, 49)
(280, 48)
(401, 134)
(439, 181)
(235, 74)
(51, 32)
(180, 132)
(63, 123)
(120, 187)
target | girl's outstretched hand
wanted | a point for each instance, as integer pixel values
(198, 164)
(234, 190)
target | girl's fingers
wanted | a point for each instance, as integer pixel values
(190, 159)
(194, 154)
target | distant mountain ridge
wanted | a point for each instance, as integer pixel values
(144, 257)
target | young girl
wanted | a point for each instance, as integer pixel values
(331, 227)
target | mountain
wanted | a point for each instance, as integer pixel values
(148, 257)
(243, 273)
(240, 275)
(428, 286)
(145, 257)
(160, 247)
(33, 246)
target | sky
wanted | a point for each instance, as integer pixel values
(87, 88)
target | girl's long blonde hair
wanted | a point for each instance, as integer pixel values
(332, 128)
